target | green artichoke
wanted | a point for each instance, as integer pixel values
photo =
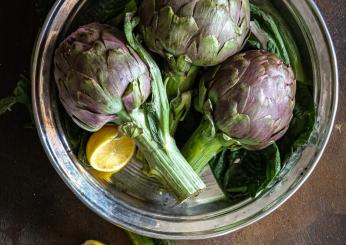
(250, 104)
(102, 80)
(190, 34)
(206, 31)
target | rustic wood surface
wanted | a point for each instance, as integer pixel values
(36, 207)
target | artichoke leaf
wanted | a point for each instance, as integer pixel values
(180, 74)
(184, 29)
(180, 107)
(130, 129)
(206, 50)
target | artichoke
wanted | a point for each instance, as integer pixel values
(98, 76)
(102, 80)
(190, 34)
(206, 31)
(250, 104)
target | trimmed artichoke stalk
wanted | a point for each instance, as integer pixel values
(189, 34)
(102, 80)
(250, 104)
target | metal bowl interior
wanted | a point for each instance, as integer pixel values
(146, 209)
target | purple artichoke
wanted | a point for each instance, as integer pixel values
(251, 101)
(254, 97)
(102, 80)
(98, 76)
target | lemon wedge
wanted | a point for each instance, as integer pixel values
(107, 151)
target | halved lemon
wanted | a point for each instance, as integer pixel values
(92, 242)
(107, 151)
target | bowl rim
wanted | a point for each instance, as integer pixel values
(35, 73)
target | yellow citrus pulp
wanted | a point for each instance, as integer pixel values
(107, 151)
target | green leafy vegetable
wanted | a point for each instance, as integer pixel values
(271, 32)
(76, 137)
(245, 173)
(6, 104)
(267, 32)
(302, 124)
(105, 11)
(21, 95)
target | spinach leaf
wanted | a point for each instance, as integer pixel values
(244, 173)
(6, 104)
(103, 11)
(302, 124)
(76, 137)
(271, 32)
(265, 29)
(21, 95)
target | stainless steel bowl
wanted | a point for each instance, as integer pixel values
(152, 213)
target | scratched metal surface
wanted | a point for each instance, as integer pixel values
(33, 199)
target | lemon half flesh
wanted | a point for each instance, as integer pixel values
(108, 151)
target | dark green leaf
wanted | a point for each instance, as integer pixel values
(244, 173)
(267, 27)
(76, 137)
(83, 139)
(21, 95)
(104, 11)
(302, 124)
(253, 43)
(7, 103)
(270, 21)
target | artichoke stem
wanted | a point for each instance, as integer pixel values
(167, 163)
(179, 106)
(178, 83)
(173, 126)
(201, 148)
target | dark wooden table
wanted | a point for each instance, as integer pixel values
(36, 207)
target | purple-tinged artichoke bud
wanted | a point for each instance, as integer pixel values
(206, 31)
(98, 76)
(248, 103)
(253, 94)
